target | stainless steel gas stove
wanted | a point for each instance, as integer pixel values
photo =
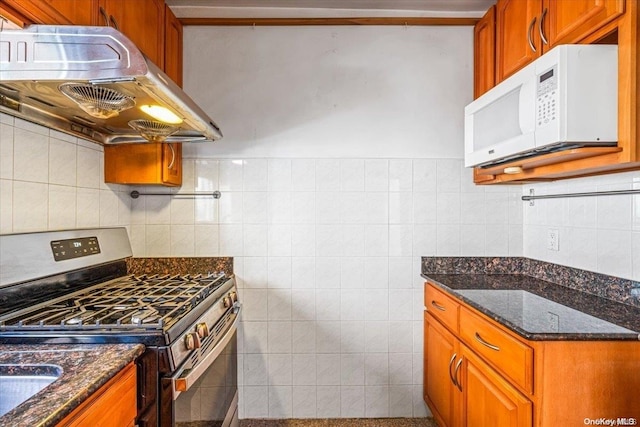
(72, 287)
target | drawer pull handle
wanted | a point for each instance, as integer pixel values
(455, 375)
(483, 342)
(438, 306)
(531, 45)
(453, 380)
(541, 27)
(104, 16)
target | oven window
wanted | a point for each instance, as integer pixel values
(208, 401)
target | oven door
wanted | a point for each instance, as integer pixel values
(205, 392)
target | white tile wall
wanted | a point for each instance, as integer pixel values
(327, 252)
(599, 234)
(52, 181)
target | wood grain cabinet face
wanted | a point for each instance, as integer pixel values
(484, 53)
(571, 21)
(528, 28)
(140, 164)
(440, 353)
(507, 354)
(55, 12)
(489, 400)
(142, 21)
(173, 47)
(523, 383)
(517, 38)
(114, 404)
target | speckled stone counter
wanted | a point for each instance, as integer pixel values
(85, 368)
(191, 265)
(534, 308)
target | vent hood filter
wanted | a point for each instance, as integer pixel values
(153, 131)
(99, 102)
(89, 82)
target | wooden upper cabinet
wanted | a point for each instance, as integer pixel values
(140, 164)
(55, 12)
(518, 40)
(484, 53)
(571, 21)
(528, 28)
(142, 21)
(79, 12)
(173, 46)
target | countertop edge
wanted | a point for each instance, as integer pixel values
(45, 412)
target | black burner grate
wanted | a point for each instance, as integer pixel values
(130, 302)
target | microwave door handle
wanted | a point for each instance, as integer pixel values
(527, 107)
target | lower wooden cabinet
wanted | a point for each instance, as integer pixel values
(440, 353)
(113, 404)
(461, 390)
(143, 164)
(519, 382)
(487, 398)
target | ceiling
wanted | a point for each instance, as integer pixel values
(426, 8)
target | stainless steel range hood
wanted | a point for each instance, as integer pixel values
(94, 83)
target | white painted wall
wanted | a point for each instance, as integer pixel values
(317, 91)
(599, 234)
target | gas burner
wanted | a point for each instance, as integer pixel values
(147, 302)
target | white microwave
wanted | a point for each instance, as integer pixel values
(565, 99)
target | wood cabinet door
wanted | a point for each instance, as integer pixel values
(172, 46)
(440, 355)
(140, 164)
(55, 12)
(489, 400)
(79, 12)
(142, 21)
(113, 404)
(518, 39)
(571, 21)
(484, 53)
(172, 164)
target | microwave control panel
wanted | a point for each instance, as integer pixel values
(546, 96)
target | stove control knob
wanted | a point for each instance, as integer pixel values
(226, 302)
(233, 296)
(202, 329)
(192, 341)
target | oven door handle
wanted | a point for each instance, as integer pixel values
(183, 383)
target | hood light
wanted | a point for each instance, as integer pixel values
(161, 113)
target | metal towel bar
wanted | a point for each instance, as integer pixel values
(531, 197)
(215, 194)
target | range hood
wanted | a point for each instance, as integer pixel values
(94, 83)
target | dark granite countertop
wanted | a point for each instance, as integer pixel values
(518, 302)
(177, 265)
(85, 368)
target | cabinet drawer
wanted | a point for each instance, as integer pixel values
(441, 306)
(510, 356)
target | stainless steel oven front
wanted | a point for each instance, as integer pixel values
(203, 391)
